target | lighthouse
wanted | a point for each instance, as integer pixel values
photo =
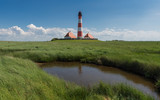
(80, 32)
(71, 36)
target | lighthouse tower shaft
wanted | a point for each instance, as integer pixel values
(80, 32)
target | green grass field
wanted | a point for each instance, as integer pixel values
(138, 57)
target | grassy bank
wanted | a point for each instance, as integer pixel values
(21, 79)
(138, 57)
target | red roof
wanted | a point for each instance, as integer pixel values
(70, 34)
(88, 36)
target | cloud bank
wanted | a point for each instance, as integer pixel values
(34, 33)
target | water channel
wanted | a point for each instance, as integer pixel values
(89, 74)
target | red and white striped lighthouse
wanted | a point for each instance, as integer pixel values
(79, 33)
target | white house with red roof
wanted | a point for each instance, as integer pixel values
(88, 36)
(69, 35)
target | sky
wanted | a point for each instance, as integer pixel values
(42, 20)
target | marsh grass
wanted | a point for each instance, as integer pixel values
(23, 80)
(142, 58)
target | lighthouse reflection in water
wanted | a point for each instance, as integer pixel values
(89, 74)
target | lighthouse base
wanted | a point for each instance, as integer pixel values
(74, 39)
(79, 38)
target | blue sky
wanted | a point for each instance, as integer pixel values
(98, 16)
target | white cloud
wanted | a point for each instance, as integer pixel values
(34, 33)
(17, 30)
(36, 30)
(126, 34)
(14, 30)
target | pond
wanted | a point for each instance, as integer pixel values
(90, 74)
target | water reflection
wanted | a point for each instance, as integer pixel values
(80, 69)
(89, 74)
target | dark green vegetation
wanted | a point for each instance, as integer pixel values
(138, 57)
(21, 79)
